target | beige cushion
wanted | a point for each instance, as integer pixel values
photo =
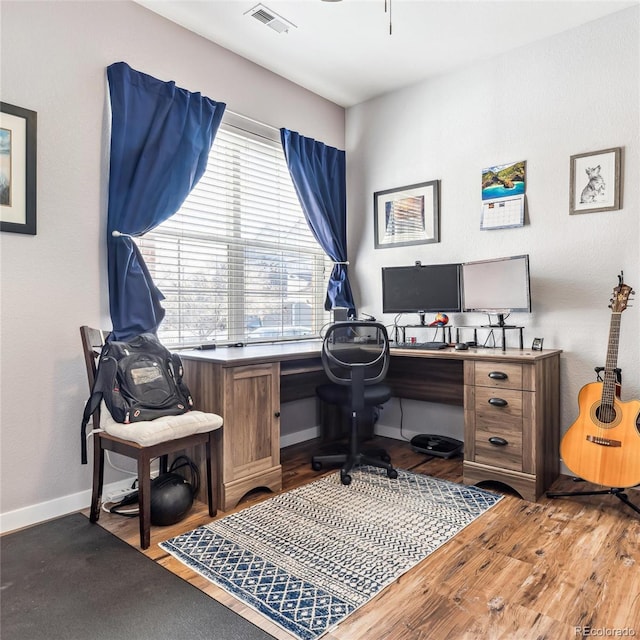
(149, 432)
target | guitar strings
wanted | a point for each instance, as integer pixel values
(608, 413)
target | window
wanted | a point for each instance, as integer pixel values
(238, 261)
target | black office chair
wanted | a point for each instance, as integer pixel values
(355, 356)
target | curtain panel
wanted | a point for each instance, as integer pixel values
(161, 136)
(318, 173)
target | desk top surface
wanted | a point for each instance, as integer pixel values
(255, 353)
(285, 351)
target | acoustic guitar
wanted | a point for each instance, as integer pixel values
(603, 445)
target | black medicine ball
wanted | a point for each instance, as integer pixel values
(171, 499)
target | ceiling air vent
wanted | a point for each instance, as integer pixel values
(270, 18)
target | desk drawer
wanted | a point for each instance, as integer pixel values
(493, 405)
(500, 445)
(498, 427)
(498, 375)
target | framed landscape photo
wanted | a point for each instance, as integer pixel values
(18, 131)
(596, 181)
(407, 215)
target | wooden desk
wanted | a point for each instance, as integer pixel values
(511, 397)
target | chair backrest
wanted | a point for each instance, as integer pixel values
(356, 352)
(92, 342)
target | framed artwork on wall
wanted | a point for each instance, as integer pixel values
(596, 182)
(18, 131)
(407, 215)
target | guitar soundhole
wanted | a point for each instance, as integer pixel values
(606, 413)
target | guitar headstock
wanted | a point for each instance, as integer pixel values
(621, 295)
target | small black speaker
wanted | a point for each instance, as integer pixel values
(340, 314)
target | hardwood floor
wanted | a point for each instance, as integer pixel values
(556, 569)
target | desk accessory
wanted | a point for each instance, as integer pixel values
(436, 445)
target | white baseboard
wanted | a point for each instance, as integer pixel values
(299, 436)
(27, 516)
(388, 431)
(33, 514)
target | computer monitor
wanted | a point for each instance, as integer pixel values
(499, 286)
(421, 289)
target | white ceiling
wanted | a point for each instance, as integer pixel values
(342, 50)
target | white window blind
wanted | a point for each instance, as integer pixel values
(238, 261)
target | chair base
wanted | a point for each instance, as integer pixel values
(372, 457)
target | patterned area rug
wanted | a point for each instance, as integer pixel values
(308, 558)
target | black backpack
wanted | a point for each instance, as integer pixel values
(138, 380)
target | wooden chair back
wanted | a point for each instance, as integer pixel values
(92, 342)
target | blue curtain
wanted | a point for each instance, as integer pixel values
(319, 177)
(161, 136)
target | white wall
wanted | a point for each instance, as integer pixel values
(574, 93)
(53, 61)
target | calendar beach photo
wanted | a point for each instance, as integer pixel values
(504, 180)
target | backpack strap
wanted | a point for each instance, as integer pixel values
(178, 371)
(89, 409)
(105, 376)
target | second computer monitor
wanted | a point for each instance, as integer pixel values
(499, 286)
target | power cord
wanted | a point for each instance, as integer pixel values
(182, 462)
(491, 336)
(108, 458)
(116, 468)
(132, 498)
(402, 420)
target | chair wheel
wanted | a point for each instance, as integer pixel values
(316, 466)
(345, 478)
(385, 457)
(392, 473)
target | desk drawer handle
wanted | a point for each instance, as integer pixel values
(500, 442)
(498, 375)
(497, 402)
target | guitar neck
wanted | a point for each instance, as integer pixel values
(609, 386)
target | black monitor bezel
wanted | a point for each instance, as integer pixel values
(423, 309)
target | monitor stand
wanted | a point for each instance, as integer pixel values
(503, 329)
(501, 324)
